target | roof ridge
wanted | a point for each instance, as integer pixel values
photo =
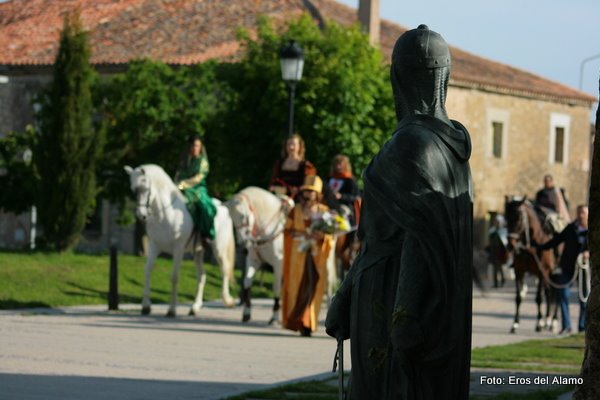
(192, 31)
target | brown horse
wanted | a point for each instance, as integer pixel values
(525, 230)
(347, 248)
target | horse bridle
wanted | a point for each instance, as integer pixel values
(516, 236)
(254, 237)
(524, 225)
(140, 204)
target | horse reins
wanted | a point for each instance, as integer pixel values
(147, 205)
(149, 198)
(255, 239)
(525, 219)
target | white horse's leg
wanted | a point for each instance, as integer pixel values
(201, 275)
(177, 257)
(273, 254)
(152, 254)
(252, 262)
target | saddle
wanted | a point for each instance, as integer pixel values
(552, 222)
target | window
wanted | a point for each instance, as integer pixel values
(497, 122)
(559, 141)
(559, 138)
(497, 128)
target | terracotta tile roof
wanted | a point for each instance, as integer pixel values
(193, 31)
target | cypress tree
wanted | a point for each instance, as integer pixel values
(68, 145)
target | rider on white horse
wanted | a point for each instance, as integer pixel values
(169, 226)
(191, 180)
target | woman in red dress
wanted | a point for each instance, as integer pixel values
(289, 171)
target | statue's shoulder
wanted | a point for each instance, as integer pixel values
(423, 133)
(411, 139)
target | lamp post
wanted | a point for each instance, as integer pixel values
(292, 62)
(583, 62)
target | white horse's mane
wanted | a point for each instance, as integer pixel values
(160, 178)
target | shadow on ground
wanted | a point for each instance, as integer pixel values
(48, 387)
(10, 304)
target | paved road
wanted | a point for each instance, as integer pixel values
(89, 353)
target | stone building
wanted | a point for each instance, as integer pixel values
(523, 126)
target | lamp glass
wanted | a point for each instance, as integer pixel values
(291, 69)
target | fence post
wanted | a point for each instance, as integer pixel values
(113, 280)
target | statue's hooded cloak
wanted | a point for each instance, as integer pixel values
(406, 302)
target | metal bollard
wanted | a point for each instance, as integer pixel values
(113, 280)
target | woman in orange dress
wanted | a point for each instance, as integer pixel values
(304, 266)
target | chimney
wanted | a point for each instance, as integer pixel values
(368, 15)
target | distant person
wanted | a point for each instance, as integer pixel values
(191, 180)
(553, 202)
(574, 236)
(291, 169)
(344, 188)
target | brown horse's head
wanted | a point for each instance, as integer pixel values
(514, 214)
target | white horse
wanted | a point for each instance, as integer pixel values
(169, 226)
(259, 218)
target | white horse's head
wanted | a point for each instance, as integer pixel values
(257, 214)
(140, 185)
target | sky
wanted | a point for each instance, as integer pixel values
(550, 38)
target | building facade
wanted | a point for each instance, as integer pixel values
(516, 141)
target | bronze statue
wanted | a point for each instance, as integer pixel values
(406, 302)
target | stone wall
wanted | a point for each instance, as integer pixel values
(15, 231)
(526, 151)
(17, 95)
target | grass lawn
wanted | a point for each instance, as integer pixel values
(563, 355)
(550, 394)
(61, 279)
(309, 390)
(327, 390)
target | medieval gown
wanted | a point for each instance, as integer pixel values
(191, 179)
(304, 274)
(406, 302)
(288, 182)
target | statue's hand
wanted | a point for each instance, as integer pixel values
(406, 334)
(337, 323)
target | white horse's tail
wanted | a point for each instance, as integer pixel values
(228, 255)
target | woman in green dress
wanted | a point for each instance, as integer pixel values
(191, 180)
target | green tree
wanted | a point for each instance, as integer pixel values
(150, 111)
(68, 146)
(343, 103)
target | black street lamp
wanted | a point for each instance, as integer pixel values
(292, 62)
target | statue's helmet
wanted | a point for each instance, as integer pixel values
(421, 48)
(420, 73)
